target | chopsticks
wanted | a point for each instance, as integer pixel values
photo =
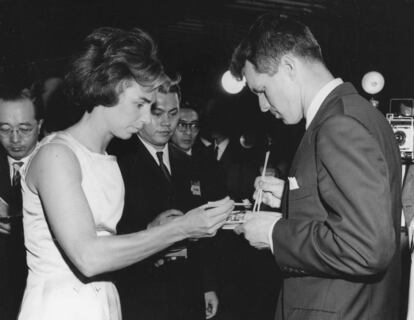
(258, 201)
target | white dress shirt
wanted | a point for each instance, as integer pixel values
(11, 161)
(319, 98)
(153, 152)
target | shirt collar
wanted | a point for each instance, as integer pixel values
(319, 98)
(221, 147)
(153, 152)
(11, 161)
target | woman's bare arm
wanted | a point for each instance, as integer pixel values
(56, 176)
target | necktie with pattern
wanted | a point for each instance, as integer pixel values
(16, 208)
(163, 167)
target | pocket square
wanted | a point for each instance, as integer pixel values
(293, 184)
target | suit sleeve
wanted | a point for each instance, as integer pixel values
(357, 236)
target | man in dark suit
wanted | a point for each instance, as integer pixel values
(338, 238)
(158, 187)
(239, 166)
(232, 256)
(20, 124)
(204, 167)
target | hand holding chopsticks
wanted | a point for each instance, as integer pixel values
(259, 198)
(269, 191)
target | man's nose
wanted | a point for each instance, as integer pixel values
(263, 103)
(15, 136)
(166, 120)
(187, 130)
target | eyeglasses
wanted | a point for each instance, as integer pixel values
(184, 126)
(22, 131)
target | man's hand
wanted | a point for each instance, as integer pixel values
(205, 220)
(5, 227)
(212, 303)
(257, 227)
(272, 190)
(164, 217)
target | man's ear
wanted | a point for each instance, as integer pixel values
(289, 65)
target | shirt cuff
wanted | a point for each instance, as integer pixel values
(270, 234)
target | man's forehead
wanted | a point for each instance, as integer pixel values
(17, 107)
(166, 101)
(188, 115)
(251, 75)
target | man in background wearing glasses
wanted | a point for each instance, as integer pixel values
(187, 129)
(208, 182)
(20, 124)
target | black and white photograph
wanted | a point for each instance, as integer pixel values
(206, 159)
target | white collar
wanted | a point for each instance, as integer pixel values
(319, 98)
(221, 147)
(11, 161)
(153, 152)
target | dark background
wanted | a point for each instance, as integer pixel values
(196, 39)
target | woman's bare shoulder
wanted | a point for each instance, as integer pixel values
(53, 160)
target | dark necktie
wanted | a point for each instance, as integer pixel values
(216, 153)
(163, 167)
(16, 187)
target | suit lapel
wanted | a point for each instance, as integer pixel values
(321, 115)
(145, 156)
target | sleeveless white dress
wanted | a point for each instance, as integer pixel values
(53, 291)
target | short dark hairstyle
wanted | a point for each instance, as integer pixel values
(190, 106)
(10, 93)
(174, 87)
(269, 38)
(112, 57)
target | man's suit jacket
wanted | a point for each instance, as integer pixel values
(147, 194)
(339, 240)
(239, 169)
(5, 195)
(206, 169)
(13, 270)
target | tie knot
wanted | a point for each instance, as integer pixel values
(159, 156)
(16, 173)
(17, 165)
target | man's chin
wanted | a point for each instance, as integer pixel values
(17, 155)
(162, 141)
(157, 143)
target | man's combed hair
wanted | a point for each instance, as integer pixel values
(12, 93)
(270, 38)
(111, 58)
(172, 86)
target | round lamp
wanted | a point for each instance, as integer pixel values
(231, 84)
(373, 82)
